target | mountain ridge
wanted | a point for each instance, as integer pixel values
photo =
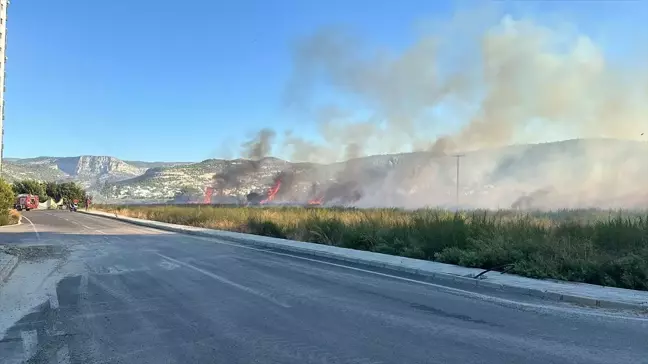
(576, 172)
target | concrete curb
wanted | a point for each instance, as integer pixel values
(433, 272)
(7, 264)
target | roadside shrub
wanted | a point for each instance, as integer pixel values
(265, 228)
(7, 196)
(6, 203)
(11, 218)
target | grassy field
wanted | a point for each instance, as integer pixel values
(592, 246)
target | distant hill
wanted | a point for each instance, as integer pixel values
(87, 170)
(572, 173)
(147, 165)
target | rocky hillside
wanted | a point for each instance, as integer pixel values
(573, 173)
(89, 171)
(15, 170)
(164, 183)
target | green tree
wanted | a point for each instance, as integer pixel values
(31, 187)
(53, 190)
(70, 191)
(7, 197)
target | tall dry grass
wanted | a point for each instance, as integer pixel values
(11, 217)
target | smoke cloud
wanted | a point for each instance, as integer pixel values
(260, 145)
(487, 89)
(515, 82)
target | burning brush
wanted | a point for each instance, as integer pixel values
(316, 198)
(280, 186)
(272, 192)
(315, 201)
(342, 193)
(337, 192)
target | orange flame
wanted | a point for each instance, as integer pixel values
(209, 191)
(272, 192)
(316, 201)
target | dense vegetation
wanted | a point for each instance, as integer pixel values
(67, 191)
(7, 217)
(592, 246)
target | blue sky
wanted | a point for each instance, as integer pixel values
(184, 81)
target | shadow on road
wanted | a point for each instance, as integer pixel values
(49, 331)
(154, 297)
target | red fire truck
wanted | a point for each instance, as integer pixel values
(26, 202)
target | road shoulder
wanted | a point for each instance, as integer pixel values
(7, 264)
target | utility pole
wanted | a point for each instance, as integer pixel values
(4, 4)
(458, 156)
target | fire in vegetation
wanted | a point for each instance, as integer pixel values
(272, 192)
(285, 190)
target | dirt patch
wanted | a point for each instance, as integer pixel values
(34, 252)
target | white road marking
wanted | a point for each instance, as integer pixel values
(83, 287)
(33, 226)
(226, 281)
(30, 342)
(167, 265)
(63, 355)
(71, 221)
(85, 226)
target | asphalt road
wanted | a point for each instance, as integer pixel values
(96, 290)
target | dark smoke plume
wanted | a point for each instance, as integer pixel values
(532, 200)
(255, 150)
(287, 180)
(260, 146)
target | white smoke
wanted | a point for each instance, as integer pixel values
(525, 83)
(516, 82)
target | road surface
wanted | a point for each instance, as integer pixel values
(94, 290)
